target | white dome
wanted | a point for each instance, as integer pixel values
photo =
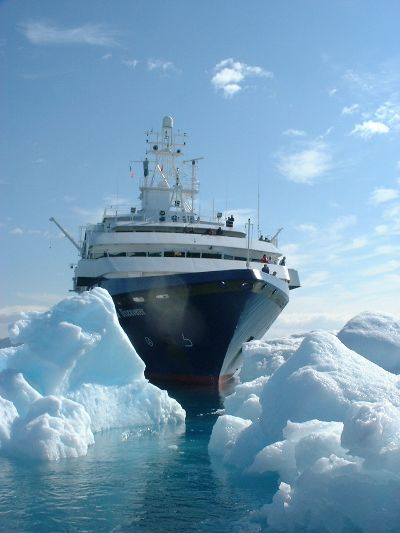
(168, 122)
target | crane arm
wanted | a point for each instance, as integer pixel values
(52, 219)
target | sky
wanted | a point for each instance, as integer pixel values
(299, 100)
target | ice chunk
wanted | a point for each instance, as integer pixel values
(129, 405)
(244, 401)
(372, 431)
(78, 341)
(73, 373)
(262, 358)
(329, 426)
(4, 353)
(54, 428)
(320, 381)
(8, 414)
(336, 495)
(302, 446)
(225, 432)
(14, 388)
(236, 440)
(376, 337)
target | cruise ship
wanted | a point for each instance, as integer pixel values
(189, 290)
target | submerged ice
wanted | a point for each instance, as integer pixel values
(73, 372)
(323, 412)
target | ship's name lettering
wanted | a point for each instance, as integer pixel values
(126, 313)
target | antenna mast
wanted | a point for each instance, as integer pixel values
(195, 181)
(258, 207)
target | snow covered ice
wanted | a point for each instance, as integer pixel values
(73, 373)
(323, 412)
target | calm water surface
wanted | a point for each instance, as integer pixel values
(138, 480)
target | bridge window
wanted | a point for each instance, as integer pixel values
(174, 253)
(211, 256)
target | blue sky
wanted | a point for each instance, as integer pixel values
(300, 97)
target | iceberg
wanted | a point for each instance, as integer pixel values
(73, 372)
(328, 424)
(376, 337)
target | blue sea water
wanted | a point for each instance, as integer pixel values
(134, 480)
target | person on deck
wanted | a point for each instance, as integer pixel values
(264, 259)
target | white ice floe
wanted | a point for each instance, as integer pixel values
(376, 337)
(72, 373)
(328, 424)
(135, 404)
(54, 428)
(261, 359)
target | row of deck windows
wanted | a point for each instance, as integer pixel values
(175, 253)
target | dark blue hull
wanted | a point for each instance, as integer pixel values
(189, 327)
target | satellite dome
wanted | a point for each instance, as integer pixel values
(168, 122)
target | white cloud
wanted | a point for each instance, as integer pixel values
(158, 64)
(20, 231)
(350, 110)
(326, 133)
(389, 113)
(364, 82)
(388, 249)
(391, 217)
(116, 201)
(369, 128)
(230, 75)
(308, 228)
(16, 231)
(382, 195)
(382, 229)
(131, 63)
(305, 166)
(350, 244)
(316, 279)
(358, 242)
(382, 268)
(44, 33)
(297, 255)
(67, 198)
(106, 56)
(303, 321)
(332, 92)
(93, 215)
(39, 299)
(294, 133)
(342, 223)
(88, 215)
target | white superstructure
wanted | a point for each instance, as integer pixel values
(166, 235)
